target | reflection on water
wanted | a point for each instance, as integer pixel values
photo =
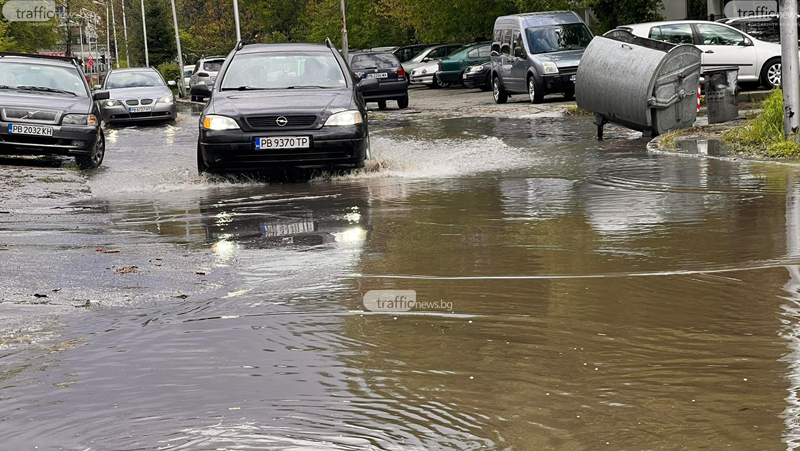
(602, 298)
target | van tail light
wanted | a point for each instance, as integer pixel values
(401, 73)
(202, 74)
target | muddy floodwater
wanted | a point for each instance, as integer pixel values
(591, 296)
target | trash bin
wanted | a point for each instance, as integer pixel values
(640, 83)
(722, 96)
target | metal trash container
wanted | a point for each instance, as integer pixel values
(640, 83)
(722, 96)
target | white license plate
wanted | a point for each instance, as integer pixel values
(30, 130)
(284, 142)
(140, 109)
(378, 75)
(285, 228)
(571, 78)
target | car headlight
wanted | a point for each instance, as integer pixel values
(345, 118)
(79, 119)
(112, 102)
(167, 99)
(550, 67)
(475, 69)
(213, 122)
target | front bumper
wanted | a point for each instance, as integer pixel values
(120, 113)
(476, 79)
(66, 140)
(389, 90)
(426, 79)
(558, 82)
(235, 150)
(453, 77)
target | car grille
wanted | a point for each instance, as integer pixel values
(39, 116)
(132, 102)
(147, 101)
(271, 122)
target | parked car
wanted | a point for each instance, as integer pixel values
(409, 52)
(722, 45)
(138, 94)
(452, 67)
(204, 76)
(284, 105)
(479, 76)
(47, 107)
(386, 68)
(187, 76)
(429, 54)
(426, 75)
(537, 54)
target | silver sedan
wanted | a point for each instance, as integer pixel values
(138, 94)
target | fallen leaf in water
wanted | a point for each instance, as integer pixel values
(37, 295)
(182, 296)
(56, 290)
(98, 250)
(113, 251)
(126, 270)
(200, 273)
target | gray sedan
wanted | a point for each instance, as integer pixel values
(138, 94)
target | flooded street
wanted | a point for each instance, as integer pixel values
(601, 297)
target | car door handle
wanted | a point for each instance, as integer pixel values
(709, 51)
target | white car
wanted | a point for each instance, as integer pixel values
(722, 45)
(424, 75)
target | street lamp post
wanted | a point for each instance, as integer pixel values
(181, 88)
(108, 30)
(345, 46)
(125, 30)
(144, 32)
(114, 22)
(236, 19)
(790, 73)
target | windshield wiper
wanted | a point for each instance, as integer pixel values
(46, 89)
(244, 88)
(308, 87)
(5, 87)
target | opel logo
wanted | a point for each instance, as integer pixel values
(281, 121)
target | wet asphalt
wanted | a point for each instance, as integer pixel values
(599, 297)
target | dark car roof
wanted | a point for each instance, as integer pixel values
(258, 48)
(353, 55)
(135, 69)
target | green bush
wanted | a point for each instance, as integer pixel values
(169, 71)
(764, 134)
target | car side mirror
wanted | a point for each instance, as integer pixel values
(426, 60)
(519, 53)
(747, 42)
(172, 83)
(368, 84)
(96, 87)
(101, 95)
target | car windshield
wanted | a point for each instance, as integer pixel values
(556, 38)
(282, 70)
(213, 66)
(43, 78)
(374, 61)
(138, 79)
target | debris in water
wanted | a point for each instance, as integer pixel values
(182, 296)
(125, 269)
(200, 273)
(112, 251)
(37, 295)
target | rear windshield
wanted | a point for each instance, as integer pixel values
(374, 61)
(35, 76)
(279, 70)
(118, 80)
(556, 38)
(213, 66)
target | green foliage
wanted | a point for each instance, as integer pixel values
(170, 71)
(160, 33)
(764, 134)
(612, 13)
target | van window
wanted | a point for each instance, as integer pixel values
(557, 38)
(505, 47)
(498, 36)
(675, 34)
(518, 42)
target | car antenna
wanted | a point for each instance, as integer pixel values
(240, 45)
(329, 43)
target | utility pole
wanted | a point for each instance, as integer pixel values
(236, 19)
(114, 22)
(181, 88)
(345, 46)
(790, 73)
(144, 32)
(108, 40)
(125, 30)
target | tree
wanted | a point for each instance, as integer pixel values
(612, 13)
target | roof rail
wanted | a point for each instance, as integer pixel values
(70, 59)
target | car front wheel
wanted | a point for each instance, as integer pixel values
(498, 92)
(534, 92)
(94, 159)
(202, 168)
(402, 103)
(771, 73)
